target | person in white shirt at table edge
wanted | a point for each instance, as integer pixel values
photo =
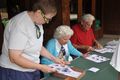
(23, 43)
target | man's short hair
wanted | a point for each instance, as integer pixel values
(88, 18)
(46, 6)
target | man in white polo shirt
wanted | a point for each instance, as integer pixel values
(23, 43)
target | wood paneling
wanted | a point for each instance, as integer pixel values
(111, 17)
(79, 9)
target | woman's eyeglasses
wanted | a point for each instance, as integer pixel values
(38, 33)
(44, 17)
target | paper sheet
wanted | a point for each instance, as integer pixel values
(93, 69)
(65, 70)
(97, 58)
(110, 47)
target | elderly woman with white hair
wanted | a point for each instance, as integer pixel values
(60, 46)
(83, 38)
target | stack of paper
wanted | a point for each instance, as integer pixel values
(110, 47)
(104, 50)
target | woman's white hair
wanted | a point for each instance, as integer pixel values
(62, 31)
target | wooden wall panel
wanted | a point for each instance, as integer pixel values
(65, 12)
(111, 17)
(79, 9)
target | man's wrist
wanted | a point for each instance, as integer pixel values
(53, 58)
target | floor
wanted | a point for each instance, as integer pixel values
(107, 38)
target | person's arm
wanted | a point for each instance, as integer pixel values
(97, 44)
(83, 47)
(46, 54)
(17, 58)
(73, 50)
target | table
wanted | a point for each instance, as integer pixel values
(106, 72)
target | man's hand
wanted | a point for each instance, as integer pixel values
(98, 46)
(89, 48)
(47, 69)
(86, 54)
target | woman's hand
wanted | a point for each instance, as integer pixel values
(61, 61)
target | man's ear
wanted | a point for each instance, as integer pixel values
(38, 11)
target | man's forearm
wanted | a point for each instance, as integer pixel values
(17, 58)
(79, 46)
(46, 54)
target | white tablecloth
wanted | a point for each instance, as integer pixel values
(115, 61)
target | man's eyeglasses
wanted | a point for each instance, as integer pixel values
(38, 33)
(88, 23)
(44, 17)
